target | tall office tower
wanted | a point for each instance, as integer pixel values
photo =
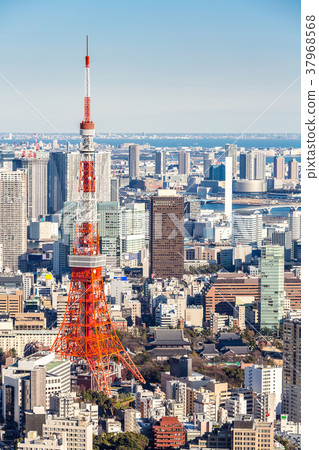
(228, 188)
(63, 185)
(109, 215)
(265, 380)
(160, 162)
(260, 165)
(13, 218)
(208, 161)
(87, 333)
(134, 161)
(252, 165)
(284, 239)
(133, 227)
(279, 167)
(37, 183)
(115, 187)
(231, 150)
(167, 235)
(291, 380)
(247, 229)
(293, 170)
(272, 294)
(184, 163)
(295, 225)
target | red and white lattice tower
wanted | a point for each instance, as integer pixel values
(87, 333)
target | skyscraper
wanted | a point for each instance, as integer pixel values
(37, 184)
(291, 381)
(252, 166)
(167, 235)
(271, 306)
(247, 229)
(279, 167)
(208, 161)
(134, 161)
(133, 227)
(109, 217)
(13, 218)
(293, 173)
(231, 150)
(260, 165)
(228, 188)
(160, 162)
(115, 186)
(295, 225)
(184, 163)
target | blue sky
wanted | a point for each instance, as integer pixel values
(156, 65)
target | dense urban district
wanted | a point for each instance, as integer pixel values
(149, 295)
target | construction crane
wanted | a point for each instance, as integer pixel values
(267, 411)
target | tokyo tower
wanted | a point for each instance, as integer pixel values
(87, 334)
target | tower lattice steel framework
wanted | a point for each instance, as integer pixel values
(87, 333)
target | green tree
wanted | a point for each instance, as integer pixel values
(120, 441)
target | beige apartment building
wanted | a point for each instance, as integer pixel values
(252, 435)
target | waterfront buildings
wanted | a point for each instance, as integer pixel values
(252, 165)
(279, 167)
(293, 170)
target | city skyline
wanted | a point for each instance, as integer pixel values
(158, 68)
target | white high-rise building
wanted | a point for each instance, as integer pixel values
(13, 218)
(295, 225)
(267, 380)
(228, 187)
(247, 229)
